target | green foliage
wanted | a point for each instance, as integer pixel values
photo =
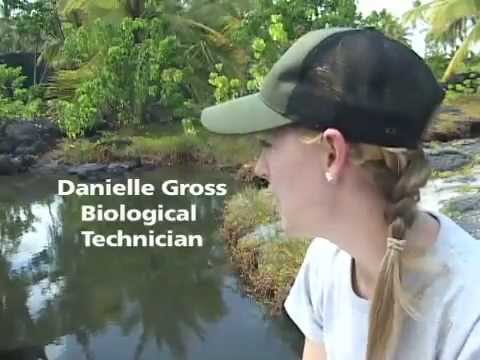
(389, 24)
(268, 31)
(15, 100)
(83, 43)
(438, 62)
(130, 76)
(454, 24)
(33, 26)
(113, 59)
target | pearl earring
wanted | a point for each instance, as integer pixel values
(329, 176)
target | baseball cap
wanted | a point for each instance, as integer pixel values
(372, 88)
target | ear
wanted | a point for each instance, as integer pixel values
(337, 152)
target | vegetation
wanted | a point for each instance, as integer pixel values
(161, 145)
(267, 264)
(114, 63)
(246, 210)
(268, 268)
(454, 25)
(15, 99)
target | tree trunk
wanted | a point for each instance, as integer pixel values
(35, 64)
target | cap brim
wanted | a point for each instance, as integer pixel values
(241, 116)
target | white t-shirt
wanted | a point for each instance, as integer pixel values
(324, 306)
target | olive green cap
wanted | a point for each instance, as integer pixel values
(266, 109)
(372, 88)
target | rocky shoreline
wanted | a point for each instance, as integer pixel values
(455, 190)
(23, 142)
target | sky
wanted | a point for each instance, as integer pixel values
(397, 8)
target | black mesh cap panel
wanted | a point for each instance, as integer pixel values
(372, 88)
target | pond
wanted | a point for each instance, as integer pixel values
(61, 300)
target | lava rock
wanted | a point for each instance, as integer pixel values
(7, 166)
(466, 211)
(86, 169)
(448, 159)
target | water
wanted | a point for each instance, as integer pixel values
(62, 301)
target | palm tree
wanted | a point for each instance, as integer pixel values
(201, 23)
(451, 19)
(201, 26)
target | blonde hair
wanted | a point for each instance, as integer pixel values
(398, 174)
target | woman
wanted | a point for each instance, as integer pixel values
(342, 114)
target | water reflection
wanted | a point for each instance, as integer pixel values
(61, 300)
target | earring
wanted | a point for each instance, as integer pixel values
(329, 176)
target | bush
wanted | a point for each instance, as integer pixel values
(15, 100)
(127, 75)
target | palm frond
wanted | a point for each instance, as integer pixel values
(472, 38)
(108, 10)
(65, 82)
(419, 13)
(50, 51)
(447, 12)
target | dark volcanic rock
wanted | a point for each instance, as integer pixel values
(21, 131)
(448, 159)
(466, 211)
(7, 167)
(98, 172)
(122, 167)
(86, 169)
(15, 164)
(22, 141)
(7, 145)
(38, 147)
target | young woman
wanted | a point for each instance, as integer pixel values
(341, 116)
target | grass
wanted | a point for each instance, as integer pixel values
(231, 150)
(476, 159)
(80, 151)
(166, 144)
(168, 148)
(267, 267)
(469, 104)
(465, 170)
(469, 189)
(452, 125)
(247, 209)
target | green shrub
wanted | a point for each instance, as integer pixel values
(15, 100)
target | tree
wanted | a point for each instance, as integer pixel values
(388, 24)
(453, 21)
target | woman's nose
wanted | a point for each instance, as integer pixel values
(261, 169)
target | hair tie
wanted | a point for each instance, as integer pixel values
(396, 244)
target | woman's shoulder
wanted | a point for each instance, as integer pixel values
(322, 252)
(459, 249)
(458, 252)
(325, 260)
(452, 294)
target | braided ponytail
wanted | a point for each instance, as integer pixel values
(400, 175)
